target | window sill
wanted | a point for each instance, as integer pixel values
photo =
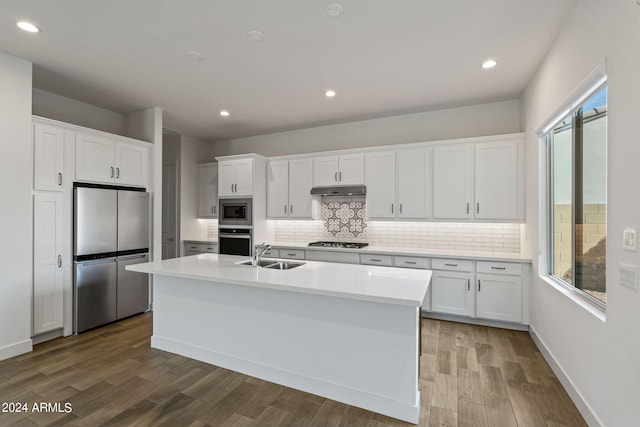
(597, 312)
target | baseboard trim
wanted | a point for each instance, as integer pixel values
(585, 410)
(16, 349)
(475, 321)
(409, 412)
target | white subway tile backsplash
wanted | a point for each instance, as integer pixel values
(436, 235)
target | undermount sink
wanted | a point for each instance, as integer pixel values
(273, 264)
(263, 262)
(280, 265)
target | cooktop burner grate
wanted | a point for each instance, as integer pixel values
(347, 245)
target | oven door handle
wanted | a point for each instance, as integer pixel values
(235, 236)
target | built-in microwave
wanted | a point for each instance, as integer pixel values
(235, 212)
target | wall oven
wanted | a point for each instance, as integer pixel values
(235, 241)
(235, 212)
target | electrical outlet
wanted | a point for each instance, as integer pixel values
(628, 275)
(629, 238)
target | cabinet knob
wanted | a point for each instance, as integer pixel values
(112, 171)
(467, 208)
(59, 261)
(478, 207)
(59, 178)
(117, 173)
(291, 209)
(285, 208)
(335, 177)
(478, 285)
(340, 177)
(400, 207)
(468, 284)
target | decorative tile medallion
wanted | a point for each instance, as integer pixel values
(344, 217)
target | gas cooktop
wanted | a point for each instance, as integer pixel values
(347, 245)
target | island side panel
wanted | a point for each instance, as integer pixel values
(361, 353)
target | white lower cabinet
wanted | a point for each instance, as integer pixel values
(499, 294)
(451, 293)
(195, 248)
(47, 262)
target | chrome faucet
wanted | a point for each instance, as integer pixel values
(258, 251)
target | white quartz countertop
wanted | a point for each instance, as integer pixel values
(361, 282)
(427, 252)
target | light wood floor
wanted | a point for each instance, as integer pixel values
(470, 376)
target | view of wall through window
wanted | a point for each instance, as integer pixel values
(578, 196)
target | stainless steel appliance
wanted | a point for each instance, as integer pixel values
(346, 245)
(235, 212)
(111, 230)
(235, 240)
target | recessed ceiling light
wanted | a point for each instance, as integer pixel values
(330, 93)
(335, 9)
(489, 63)
(194, 55)
(224, 113)
(255, 35)
(28, 26)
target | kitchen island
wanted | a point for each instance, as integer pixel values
(346, 332)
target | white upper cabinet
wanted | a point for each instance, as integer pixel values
(208, 190)
(414, 184)
(101, 159)
(300, 183)
(399, 184)
(497, 180)
(381, 184)
(235, 178)
(278, 189)
(289, 185)
(48, 157)
(131, 163)
(95, 158)
(346, 169)
(453, 181)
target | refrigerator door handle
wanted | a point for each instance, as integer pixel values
(130, 257)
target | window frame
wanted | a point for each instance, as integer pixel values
(547, 205)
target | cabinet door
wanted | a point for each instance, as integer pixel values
(499, 297)
(48, 157)
(381, 184)
(300, 183)
(208, 191)
(325, 171)
(414, 183)
(226, 178)
(351, 169)
(131, 163)
(278, 189)
(244, 178)
(94, 158)
(47, 262)
(451, 293)
(496, 178)
(453, 182)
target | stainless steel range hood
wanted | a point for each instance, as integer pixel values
(343, 190)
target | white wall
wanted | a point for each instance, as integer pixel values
(600, 359)
(477, 120)
(15, 208)
(57, 107)
(192, 152)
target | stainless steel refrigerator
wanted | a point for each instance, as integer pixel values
(111, 231)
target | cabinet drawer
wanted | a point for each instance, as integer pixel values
(202, 247)
(291, 253)
(386, 260)
(330, 256)
(412, 262)
(451, 264)
(499, 268)
(271, 253)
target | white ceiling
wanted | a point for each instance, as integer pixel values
(381, 57)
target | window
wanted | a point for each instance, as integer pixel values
(577, 196)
